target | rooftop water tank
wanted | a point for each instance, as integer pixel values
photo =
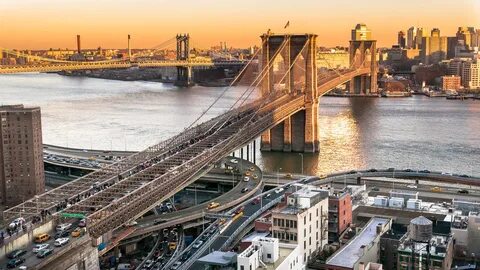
(421, 229)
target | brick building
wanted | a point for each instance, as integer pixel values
(21, 154)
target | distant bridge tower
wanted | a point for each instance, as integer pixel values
(184, 74)
(363, 54)
(299, 132)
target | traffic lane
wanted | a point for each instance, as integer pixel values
(31, 259)
(248, 211)
(231, 195)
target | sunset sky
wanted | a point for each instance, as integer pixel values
(42, 24)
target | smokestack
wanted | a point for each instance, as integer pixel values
(79, 47)
(129, 51)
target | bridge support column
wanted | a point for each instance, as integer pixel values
(363, 55)
(266, 142)
(312, 139)
(184, 77)
(299, 132)
(184, 73)
(287, 135)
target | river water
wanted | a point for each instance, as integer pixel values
(417, 132)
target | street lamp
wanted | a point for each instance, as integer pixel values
(278, 176)
(302, 161)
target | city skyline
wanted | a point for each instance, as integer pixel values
(55, 24)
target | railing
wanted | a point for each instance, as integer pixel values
(250, 219)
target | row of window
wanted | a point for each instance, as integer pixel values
(287, 236)
(284, 223)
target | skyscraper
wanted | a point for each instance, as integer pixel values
(412, 37)
(467, 34)
(421, 33)
(361, 32)
(434, 48)
(21, 154)
(401, 39)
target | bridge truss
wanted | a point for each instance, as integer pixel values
(129, 188)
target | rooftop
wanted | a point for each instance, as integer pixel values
(284, 252)
(219, 258)
(438, 246)
(349, 254)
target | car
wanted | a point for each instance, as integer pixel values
(288, 175)
(248, 173)
(82, 223)
(424, 171)
(61, 241)
(375, 189)
(268, 195)
(390, 169)
(77, 232)
(436, 189)
(159, 221)
(39, 247)
(246, 179)
(213, 205)
(278, 190)
(63, 227)
(148, 264)
(176, 265)
(234, 161)
(464, 175)
(172, 245)
(244, 190)
(204, 236)
(44, 252)
(412, 186)
(408, 170)
(13, 263)
(43, 237)
(16, 253)
(255, 176)
(17, 222)
(463, 191)
(252, 169)
(373, 170)
(256, 201)
(197, 244)
(61, 234)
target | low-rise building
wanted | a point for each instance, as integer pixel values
(339, 214)
(423, 249)
(269, 253)
(303, 221)
(364, 248)
(451, 82)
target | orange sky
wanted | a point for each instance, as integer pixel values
(40, 24)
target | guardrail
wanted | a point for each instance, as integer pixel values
(198, 252)
(250, 220)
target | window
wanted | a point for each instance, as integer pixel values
(310, 217)
(242, 267)
(269, 256)
(305, 220)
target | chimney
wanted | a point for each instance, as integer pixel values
(79, 47)
(129, 50)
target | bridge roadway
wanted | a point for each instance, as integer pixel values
(146, 225)
(126, 190)
(67, 66)
(339, 177)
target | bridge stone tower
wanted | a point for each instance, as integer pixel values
(299, 132)
(363, 54)
(184, 74)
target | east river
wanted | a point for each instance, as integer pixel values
(416, 132)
